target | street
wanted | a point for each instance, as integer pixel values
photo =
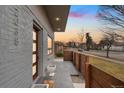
(113, 55)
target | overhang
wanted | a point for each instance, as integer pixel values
(57, 15)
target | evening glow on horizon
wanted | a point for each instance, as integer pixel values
(83, 17)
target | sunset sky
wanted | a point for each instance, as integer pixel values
(81, 17)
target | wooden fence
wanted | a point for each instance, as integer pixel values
(95, 76)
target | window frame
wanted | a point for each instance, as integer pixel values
(35, 53)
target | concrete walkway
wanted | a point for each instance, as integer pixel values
(64, 71)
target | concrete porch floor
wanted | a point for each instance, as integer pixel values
(64, 71)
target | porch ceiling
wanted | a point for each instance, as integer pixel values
(57, 15)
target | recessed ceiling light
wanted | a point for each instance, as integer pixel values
(57, 18)
(58, 29)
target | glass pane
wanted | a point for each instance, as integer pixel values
(34, 46)
(51, 51)
(33, 70)
(50, 43)
(48, 51)
(34, 58)
(34, 35)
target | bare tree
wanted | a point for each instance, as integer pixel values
(81, 36)
(109, 38)
(112, 15)
(108, 41)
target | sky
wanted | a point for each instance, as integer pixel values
(81, 18)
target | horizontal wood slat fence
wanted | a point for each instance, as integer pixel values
(93, 75)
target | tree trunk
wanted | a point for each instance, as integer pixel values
(107, 55)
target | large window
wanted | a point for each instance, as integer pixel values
(35, 54)
(50, 45)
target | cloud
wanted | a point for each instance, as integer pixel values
(76, 15)
(82, 15)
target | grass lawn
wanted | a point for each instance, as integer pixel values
(114, 69)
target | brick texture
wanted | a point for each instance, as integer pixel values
(16, 25)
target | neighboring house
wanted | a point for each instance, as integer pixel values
(26, 33)
(117, 46)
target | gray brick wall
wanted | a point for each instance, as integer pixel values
(16, 47)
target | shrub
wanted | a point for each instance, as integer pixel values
(59, 54)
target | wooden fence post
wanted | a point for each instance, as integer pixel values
(88, 76)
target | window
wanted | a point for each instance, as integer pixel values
(35, 54)
(50, 45)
